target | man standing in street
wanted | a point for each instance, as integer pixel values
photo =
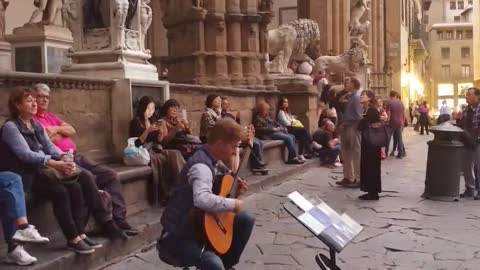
(350, 136)
(396, 114)
(470, 123)
(444, 113)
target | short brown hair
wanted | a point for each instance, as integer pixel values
(17, 96)
(226, 130)
(356, 83)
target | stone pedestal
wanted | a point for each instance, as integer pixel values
(5, 56)
(110, 44)
(39, 48)
(302, 97)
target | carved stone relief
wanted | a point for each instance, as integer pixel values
(49, 9)
(97, 39)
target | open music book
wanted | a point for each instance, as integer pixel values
(333, 229)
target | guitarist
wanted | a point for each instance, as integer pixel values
(180, 238)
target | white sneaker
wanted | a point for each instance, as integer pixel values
(30, 234)
(316, 146)
(338, 164)
(20, 257)
(302, 158)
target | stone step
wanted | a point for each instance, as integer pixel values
(54, 256)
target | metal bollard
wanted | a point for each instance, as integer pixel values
(444, 163)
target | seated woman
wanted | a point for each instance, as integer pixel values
(268, 129)
(293, 126)
(13, 215)
(166, 164)
(213, 112)
(179, 135)
(27, 151)
(256, 158)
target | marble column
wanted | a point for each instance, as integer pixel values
(5, 50)
(234, 20)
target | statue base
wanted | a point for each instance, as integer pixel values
(302, 97)
(39, 48)
(114, 64)
(5, 56)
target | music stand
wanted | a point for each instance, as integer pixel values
(334, 230)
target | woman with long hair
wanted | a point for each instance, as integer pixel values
(179, 134)
(166, 164)
(295, 127)
(370, 160)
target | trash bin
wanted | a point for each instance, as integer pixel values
(444, 163)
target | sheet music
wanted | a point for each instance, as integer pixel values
(323, 221)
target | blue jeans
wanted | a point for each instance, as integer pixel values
(257, 153)
(397, 134)
(289, 141)
(189, 252)
(12, 202)
(329, 156)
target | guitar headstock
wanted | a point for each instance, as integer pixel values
(250, 133)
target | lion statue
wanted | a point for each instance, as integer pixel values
(348, 62)
(294, 40)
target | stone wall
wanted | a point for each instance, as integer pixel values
(83, 103)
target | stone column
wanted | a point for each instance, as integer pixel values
(5, 50)
(250, 42)
(216, 43)
(234, 20)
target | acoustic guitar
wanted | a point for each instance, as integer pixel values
(219, 227)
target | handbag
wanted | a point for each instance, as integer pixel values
(376, 135)
(135, 156)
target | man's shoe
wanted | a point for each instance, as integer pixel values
(392, 154)
(29, 234)
(129, 230)
(20, 257)
(316, 146)
(295, 161)
(113, 232)
(80, 247)
(468, 193)
(344, 182)
(92, 243)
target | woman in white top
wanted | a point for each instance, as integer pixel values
(295, 127)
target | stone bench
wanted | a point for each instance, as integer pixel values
(135, 185)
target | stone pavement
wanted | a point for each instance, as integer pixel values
(402, 230)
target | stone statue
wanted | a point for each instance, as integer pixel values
(120, 11)
(265, 5)
(348, 62)
(197, 4)
(356, 35)
(132, 9)
(69, 16)
(92, 14)
(49, 9)
(3, 9)
(357, 12)
(293, 39)
(145, 21)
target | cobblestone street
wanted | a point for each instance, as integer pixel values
(402, 230)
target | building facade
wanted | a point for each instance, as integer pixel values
(451, 46)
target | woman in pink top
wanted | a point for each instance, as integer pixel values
(424, 118)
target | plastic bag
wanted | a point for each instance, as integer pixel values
(298, 124)
(135, 156)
